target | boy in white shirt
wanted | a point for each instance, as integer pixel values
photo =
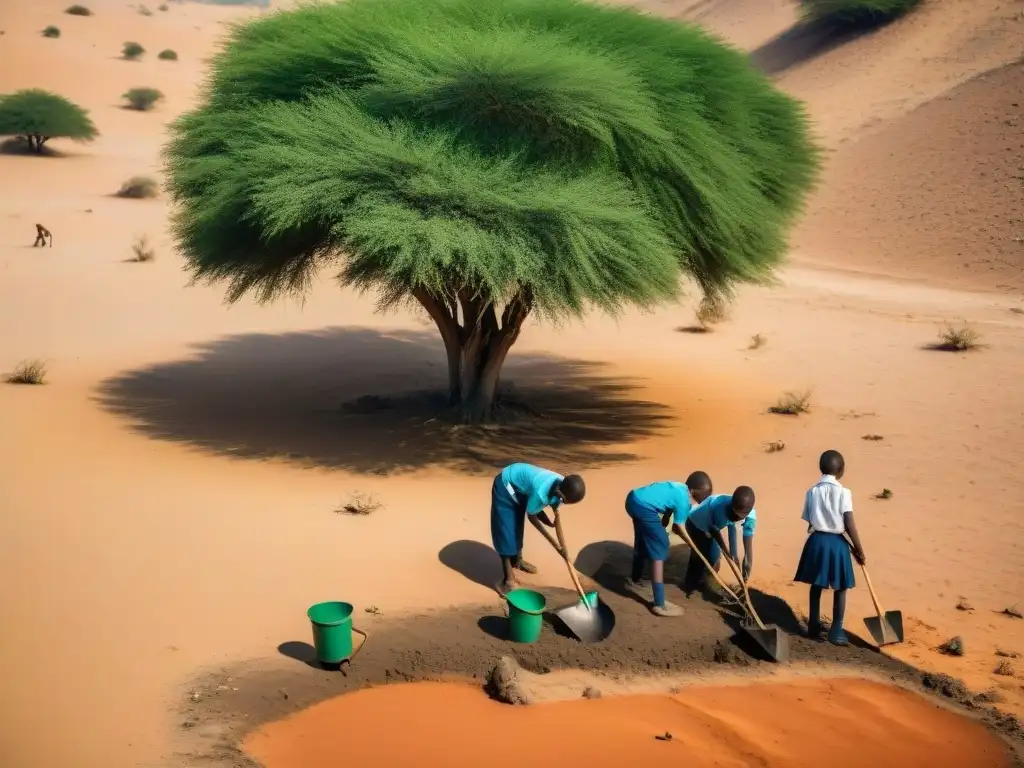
(825, 562)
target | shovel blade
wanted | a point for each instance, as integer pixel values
(590, 624)
(886, 629)
(772, 640)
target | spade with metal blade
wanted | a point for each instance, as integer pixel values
(887, 627)
(590, 620)
(770, 638)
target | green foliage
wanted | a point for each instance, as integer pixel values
(142, 99)
(167, 55)
(37, 116)
(51, 31)
(587, 154)
(132, 51)
(857, 12)
(78, 10)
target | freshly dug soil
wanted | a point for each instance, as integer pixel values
(221, 707)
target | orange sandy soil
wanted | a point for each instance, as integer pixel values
(837, 723)
(168, 498)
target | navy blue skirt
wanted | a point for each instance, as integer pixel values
(650, 540)
(508, 515)
(826, 562)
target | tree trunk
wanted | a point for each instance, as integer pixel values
(476, 347)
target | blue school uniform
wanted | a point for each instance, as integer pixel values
(712, 514)
(646, 506)
(518, 490)
(825, 561)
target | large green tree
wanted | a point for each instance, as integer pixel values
(487, 159)
(38, 116)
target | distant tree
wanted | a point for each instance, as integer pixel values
(36, 116)
(142, 99)
(488, 160)
(167, 55)
(78, 10)
(132, 51)
(51, 31)
(857, 12)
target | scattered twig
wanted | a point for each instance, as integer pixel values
(359, 504)
(373, 610)
(1013, 612)
(963, 605)
(872, 437)
(666, 736)
(1007, 654)
(885, 493)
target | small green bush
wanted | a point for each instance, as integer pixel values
(167, 55)
(78, 10)
(139, 187)
(132, 51)
(51, 31)
(857, 12)
(142, 99)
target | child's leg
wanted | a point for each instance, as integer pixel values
(508, 576)
(836, 635)
(814, 617)
(519, 563)
(658, 582)
(639, 553)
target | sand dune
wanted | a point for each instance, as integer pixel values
(169, 497)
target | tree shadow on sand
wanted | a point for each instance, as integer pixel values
(374, 402)
(804, 41)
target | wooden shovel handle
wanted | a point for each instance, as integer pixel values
(871, 590)
(568, 564)
(721, 583)
(746, 592)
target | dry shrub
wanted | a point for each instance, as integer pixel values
(712, 310)
(78, 10)
(27, 372)
(957, 338)
(792, 404)
(167, 55)
(757, 341)
(51, 31)
(142, 249)
(139, 187)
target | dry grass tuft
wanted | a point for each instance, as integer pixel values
(957, 338)
(361, 504)
(792, 404)
(143, 250)
(885, 493)
(757, 341)
(139, 187)
(27, 372)
(775, 446)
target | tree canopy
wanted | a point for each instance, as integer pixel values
(37, 116)
(535, 155)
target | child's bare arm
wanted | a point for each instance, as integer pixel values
(851, 529)
(542, 517)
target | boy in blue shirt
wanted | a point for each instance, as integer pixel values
(704, 526)
(650, 508)
(523, 491)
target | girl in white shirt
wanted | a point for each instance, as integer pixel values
(825, 562)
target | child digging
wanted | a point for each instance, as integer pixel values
(825, 562)
(705, 525)
(650, 508)
(522, 491)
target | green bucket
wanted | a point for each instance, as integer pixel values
(525, 615)
(332, 631)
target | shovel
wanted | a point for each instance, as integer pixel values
(588, 619)
(887, 627)
(770, 638)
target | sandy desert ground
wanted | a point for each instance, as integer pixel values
(167, 502)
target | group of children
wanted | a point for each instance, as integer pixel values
(523, 491)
